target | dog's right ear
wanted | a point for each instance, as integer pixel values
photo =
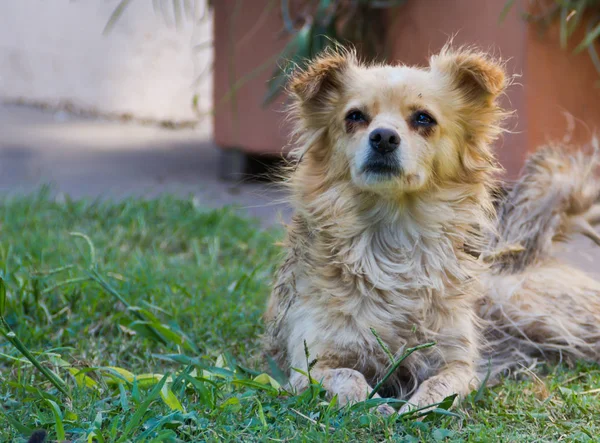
(477, 75)
(322, 77)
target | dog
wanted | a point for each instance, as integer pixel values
(399, 227)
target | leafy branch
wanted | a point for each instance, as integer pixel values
(570, 15)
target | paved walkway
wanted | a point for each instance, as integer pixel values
(91, 158)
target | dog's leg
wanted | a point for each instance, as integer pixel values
(458, 347)
(348, 384)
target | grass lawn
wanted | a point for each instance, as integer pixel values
(145, 319)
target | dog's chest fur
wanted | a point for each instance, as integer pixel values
(388, 275)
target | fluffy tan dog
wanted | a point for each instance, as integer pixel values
(393, 197)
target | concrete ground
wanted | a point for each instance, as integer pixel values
(87, 157)
(93, 158)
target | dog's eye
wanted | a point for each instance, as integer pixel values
(356, 116)
(424, 119)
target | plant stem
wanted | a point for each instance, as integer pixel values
(7, 332)
(95, 276)
(383, 346)
(64, 283)
(397, 363)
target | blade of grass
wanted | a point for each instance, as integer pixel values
(383, 346)
(58, 423)
(590, 37)
(95, 275)
(114, 17)
(415, 412)
(141, 410)
(90, 245)
(396, 364)
(65, 283)
(7, 333)
(309, 366)
(481, 390)
(22, 429)
(2, 297)
(53, 271)
(261, 414)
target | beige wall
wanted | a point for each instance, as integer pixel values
(54, 50)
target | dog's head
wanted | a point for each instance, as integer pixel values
(396, 130)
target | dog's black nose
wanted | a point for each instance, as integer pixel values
(384, 140)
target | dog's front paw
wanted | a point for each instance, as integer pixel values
(385, 410)
(407, 407)
(431, 392)
(349, 385)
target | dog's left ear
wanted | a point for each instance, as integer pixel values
(478, 76)
(322, 77)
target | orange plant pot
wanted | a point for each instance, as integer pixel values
(549, 81)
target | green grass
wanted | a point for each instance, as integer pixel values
(196, 282)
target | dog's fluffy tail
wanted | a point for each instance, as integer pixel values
(556, 196)
(537, 305)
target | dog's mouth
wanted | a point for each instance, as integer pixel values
(382, 168)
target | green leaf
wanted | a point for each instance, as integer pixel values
(133, 424)
(442, 434)
(135, 392)
(150, 328)
(437, 411)
(95, 437)
(146, 381)
(447, 403)
(2, 297)
(374, 402)
(149, 316)
(53, 378)
(563, 25)
(233, 404)
(266, 379)
(324, 30)
(285, 13)
(482, 387)
(277, 372)
(114, 17)
(22, 429)
(206, 397)
(396, 365)
(261, 414)
(575, 19)
(169, 398)
(118, 374)
(123, 397)
(58, 427)
(255, 385)
(507, 7)
(82, 379)
(293, 55)
(589, 39)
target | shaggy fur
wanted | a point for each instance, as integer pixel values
(535, 304)
(397, 247)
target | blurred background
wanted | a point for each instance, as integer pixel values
(109, 98)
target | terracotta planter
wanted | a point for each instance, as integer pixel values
(552, 81)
